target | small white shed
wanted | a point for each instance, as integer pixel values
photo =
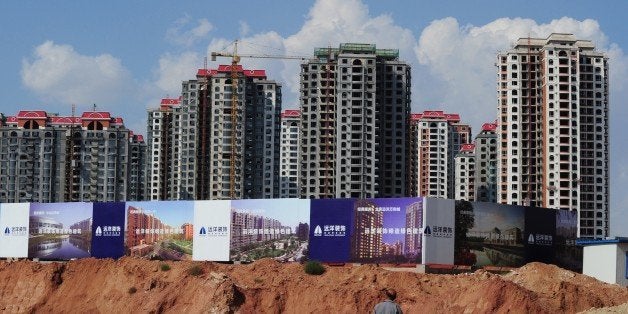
(606, 259)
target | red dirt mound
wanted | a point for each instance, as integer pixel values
(267, 286)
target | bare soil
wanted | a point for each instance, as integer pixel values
(266, 286)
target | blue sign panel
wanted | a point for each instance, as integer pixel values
(108, 230)
(330, 224)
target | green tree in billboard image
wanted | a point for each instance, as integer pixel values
(489, 234)
(568, 254)
(465, 220)
(276, 229)
(160, 230)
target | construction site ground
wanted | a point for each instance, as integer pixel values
(267, 286)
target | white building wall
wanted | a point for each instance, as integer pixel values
(606, 262)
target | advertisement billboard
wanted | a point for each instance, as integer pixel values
(489, 234)
(60, 231)
(276, 228)
(438, 231)
(14, 230)
(160, 230)
(567, 254)
(540, 233)
(331, 221)
(108, 230)
(212, 230)
(386, 230)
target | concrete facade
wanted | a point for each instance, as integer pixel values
(355, 101)
(553, 128)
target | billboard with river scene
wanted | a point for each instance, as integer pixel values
(60, 231)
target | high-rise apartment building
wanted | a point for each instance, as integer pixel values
(209, 157)
(290, 150)
(48, 158)
(465, 162)
(437, 138)
(553, 128)
(355, 102)
(137, 168)
(476, 167)
(161, 139)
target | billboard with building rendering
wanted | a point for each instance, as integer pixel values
(160, 230)
(386, 230)
(489, 234)
(276, 228)
(60, 231)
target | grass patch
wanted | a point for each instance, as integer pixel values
(132, 290)
(195, 270)
(164, 267)
(314, 268)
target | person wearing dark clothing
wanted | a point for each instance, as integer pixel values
(389, 306)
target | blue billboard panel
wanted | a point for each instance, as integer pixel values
(387, 230)
(330, 229)
(60, 231)
(489, 234)
(161, 230)
(540, 234)
(108, 230)
(275, 228)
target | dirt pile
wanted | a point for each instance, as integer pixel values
(266, 286)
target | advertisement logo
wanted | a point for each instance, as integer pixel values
(540, 239)
(15, 231)
(438, 231)
(318, 231)
(108, 231)
(213, 231)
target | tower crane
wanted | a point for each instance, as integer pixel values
(235, 60)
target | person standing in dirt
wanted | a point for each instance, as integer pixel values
(389, 306)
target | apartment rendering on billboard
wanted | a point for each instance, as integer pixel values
(269, 228)
(387, 230)
(161, 230)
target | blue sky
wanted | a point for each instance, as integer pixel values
(172, 213)
(127, 55)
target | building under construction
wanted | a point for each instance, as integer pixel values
(205, 146)
(355, 104)
(553, 128)
(49, 158)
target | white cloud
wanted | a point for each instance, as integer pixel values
(245, 29)
(330, 23)
(58, 73)
(181, 34)
(456, 63)
(175, 68)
